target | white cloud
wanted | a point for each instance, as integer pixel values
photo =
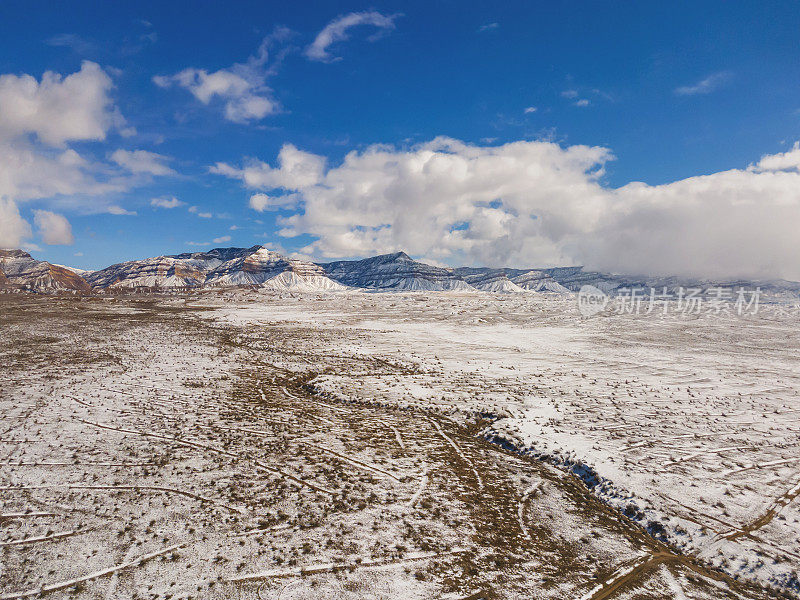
(118, 210)
(295, 168)
(530, 109)
(569, 94)
(28, 173)
(439, 199)
(782, 161)
(246, 98)
(336, 31)
(262, 202)
(54, 229)
(489, 27)
(38, 121)
(705, 86)
(583, 102)
(70, 40)
(242, 87)
(58, 109)
(276, 247)
(537, 203)
(222, 239)
(166, 202)
(198, 243)
(13, 228)
(142, 162)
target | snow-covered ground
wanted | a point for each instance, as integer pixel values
(328, 445)
(688, 424)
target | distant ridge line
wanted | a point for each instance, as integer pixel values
(262, 268)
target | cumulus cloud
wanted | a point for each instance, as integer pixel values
(439, 199)
(705, 86)
(58, 109)
(39, 119)
(535, 203)
(195, 210)
(242, 87)
(29, 173)
(222, 239)
(337, 31)
(295, 169)
(780, 162)
(166, 202)
(142, 162)
(13, 228)
(262, 202)
(54, 229)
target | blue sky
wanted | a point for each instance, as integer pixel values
(671, 90)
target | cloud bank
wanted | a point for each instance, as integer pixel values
(533, 203)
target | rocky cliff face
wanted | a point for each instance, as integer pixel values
(396, 271)
(4, 282)
(21, 270)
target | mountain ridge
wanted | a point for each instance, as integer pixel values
(20, 271)
(260, 267)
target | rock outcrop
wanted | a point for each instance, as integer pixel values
(397, 271)
(21, 270)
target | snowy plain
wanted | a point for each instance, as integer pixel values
(689, 424)
(403, 445)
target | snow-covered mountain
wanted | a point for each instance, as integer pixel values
(488, 280)
(573, 278)
(396, 271)
(539, 280)
(220, 267)
(20, 270)
(260, 267)
(265, 268)
(177, 271)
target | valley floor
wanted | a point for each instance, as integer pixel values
(243, 445)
